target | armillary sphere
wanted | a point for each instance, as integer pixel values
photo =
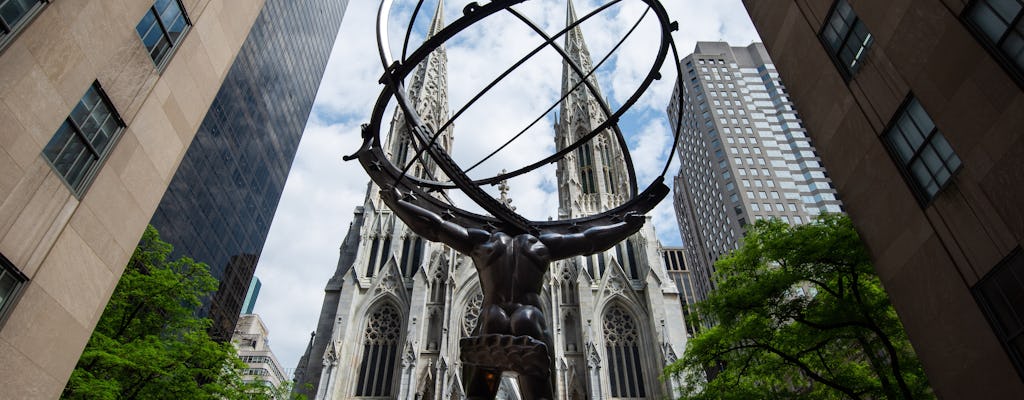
(386, 173)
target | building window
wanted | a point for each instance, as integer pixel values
(622, 344)
(846, 38)
(922, 152)
(1000, 25)
(84, 140)
(162, 28)
(15, 14)
(380, 352)
(586, 166)
(11, 283)
(1000, 294)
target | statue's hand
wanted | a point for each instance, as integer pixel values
(634, 218)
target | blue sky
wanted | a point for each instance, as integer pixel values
(322, 191)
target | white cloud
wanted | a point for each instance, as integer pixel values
(316, 207)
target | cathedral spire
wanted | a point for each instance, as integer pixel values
(438, 22)
(591, 178)
(428, 93)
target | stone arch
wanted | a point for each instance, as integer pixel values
(622, 332)
(380, 344)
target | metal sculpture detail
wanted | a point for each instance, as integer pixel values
(511, 253)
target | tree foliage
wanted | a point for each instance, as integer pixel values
(800, 313)
(148, 344)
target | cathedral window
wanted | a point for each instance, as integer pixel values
(626, 253)
(403, 153)
(437, 287)
(380, 353)
(417, 256)
(568, 287)
(385, 250)
(405, 255)
(622, 344)
(371, 266)
(609, 177)
(472, 316)
(586, 166)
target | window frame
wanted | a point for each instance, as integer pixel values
(9, 32)
(847, 71)
(85, 182)
(159, 23)
(923, 198)
(8, 268)
(985, 306)
(993, 48)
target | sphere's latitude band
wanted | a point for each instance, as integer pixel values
(387, 175)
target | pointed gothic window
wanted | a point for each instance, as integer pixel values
(586, 165)
(609, 176)
(417, 256)
(437, 286)
(568, 287)
(622, 346)
(406, 243)
(472, 315)
(371, 266)
(380, 353)
(403, 153)
(385, 251)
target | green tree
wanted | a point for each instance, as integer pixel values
(800, 313)
(148, 344)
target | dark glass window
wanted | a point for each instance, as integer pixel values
(162, 28)
(11, 282)
(1000, 294)
(14, 14)
(922, 152)
(999, 24)
(846, 38)
(84, 140)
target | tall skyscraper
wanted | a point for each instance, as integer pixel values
(745, 155)
(916, 108)
(100, 100)
(251, 295)
(222, 199)
(397, 306)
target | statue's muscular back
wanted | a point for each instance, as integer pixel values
(511, 271)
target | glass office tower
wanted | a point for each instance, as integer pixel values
(220, 203)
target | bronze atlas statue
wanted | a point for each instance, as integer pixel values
(511, 253)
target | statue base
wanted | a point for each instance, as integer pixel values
(521, 354)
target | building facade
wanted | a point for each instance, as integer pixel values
(745, 154)
(250, 338)
(916, 107)
(397, 306)
(684, 278)
(220, 203)
(100, 100)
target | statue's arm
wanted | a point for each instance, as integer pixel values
(431, 226)
(592, 240)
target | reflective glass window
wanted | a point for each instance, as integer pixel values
(162, 28)
(846, 38)
(84, 140)
(921, 150)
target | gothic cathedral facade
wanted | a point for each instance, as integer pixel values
(397, 305)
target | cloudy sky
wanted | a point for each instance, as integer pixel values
(322, 190)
